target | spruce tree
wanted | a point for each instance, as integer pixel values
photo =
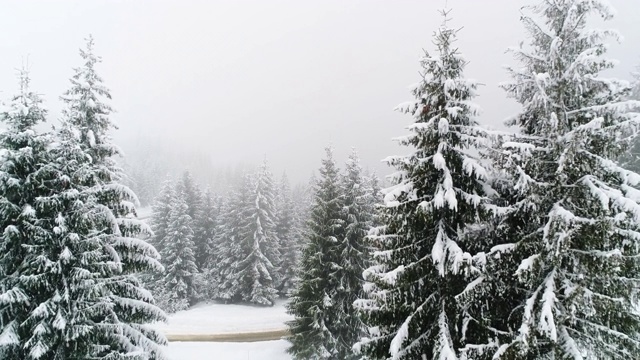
(179, 287)
(375, 197)
(193, 199)
(230, 232)
(160, 214)
(578, 210)
(285, 231)
(25, 178)
(94, 305)
(205, 229)
(303, 199)
(314, 327)
(258, 270)
(192, 194)
(422, 264)
(211, 275)
(353, 257)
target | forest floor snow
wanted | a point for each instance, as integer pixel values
(214, 319)
(268, 350)
(220, 319)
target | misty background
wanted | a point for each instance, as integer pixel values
(224, 83)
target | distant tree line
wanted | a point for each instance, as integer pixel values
(242, 246)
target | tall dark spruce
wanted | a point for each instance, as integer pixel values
(414, 304)
(315, 324)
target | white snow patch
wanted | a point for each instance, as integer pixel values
(28, 211)
(443, 126)
(392, 276)
(439, 162)
(526, 264)
(222, 318)
(398, 340)
(92, 138)
(267, 350)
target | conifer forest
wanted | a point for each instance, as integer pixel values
(475, 238)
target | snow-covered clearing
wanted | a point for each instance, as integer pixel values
(220, 319)
(268, 350)
(224, 319)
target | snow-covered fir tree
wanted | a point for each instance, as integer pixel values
(179, 281)
(193, 198)
(375, 197)
(226, 256)
(303, 198)
(160, 214)
(353, 258)
(258, 270)
(25, 177)
(579, 240)
(93, 304)
(246, 253)
(191, 193)
(205, 229)
(312, 331)
(422, 264)
(287, 236)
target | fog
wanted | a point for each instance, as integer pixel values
(238, 80)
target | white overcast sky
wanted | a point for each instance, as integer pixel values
(241, 79)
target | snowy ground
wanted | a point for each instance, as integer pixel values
(210, 319)
(268, 350)
(220, 319)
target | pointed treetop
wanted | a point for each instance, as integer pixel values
(86, 74)
(353, 157)
(329, 150)
(444, 12)
(24, 111)
(444, 29)
(265, 164)
(25, 79)
(564, 56)
(88, 54)
(86, 112)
